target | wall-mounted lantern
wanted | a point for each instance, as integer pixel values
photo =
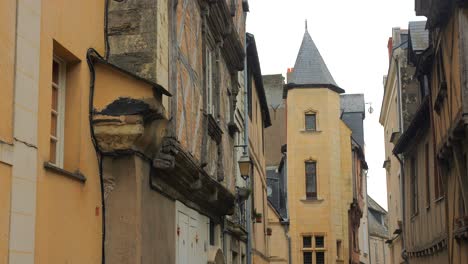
(245, 166)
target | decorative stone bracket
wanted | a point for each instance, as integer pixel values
(178, 174)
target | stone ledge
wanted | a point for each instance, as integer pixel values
(77, 175)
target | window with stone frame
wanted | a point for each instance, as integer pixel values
(57, 112)
(310, 121)
(311, 179)
(313, 248)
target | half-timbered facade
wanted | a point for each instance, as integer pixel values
(445, 74)
(171, 149)
(432, 147)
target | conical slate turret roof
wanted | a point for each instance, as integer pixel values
(310, 67)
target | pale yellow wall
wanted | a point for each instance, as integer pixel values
(343, 192)
(259, 180)
(389, 120)
(328, 214)
(7, 60)
(5, 191)
(277, 242)
(67, 208)
(379, 251)
(7, 63)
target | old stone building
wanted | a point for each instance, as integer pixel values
(391, 118)
(123, 123)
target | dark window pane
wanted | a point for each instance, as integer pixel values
(307, 242)
(212, 233)
(319, 257)
(53, 151)
(319, 242)
(53, 125)
(54, 99)
(310, 122)
(311, 179)
(307, 257)
(55, 72)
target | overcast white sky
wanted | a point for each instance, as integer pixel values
(352, 39)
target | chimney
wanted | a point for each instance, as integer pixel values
(390, 48)
(289, 78)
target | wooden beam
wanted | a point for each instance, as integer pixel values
(460, 164)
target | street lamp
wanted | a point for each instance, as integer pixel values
(245, 166)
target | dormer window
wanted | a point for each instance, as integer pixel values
(311, 121)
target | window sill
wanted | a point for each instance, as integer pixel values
(312, 200)
(73, 175)
(310, 131)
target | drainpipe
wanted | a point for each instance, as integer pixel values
(246, 152)
(402, 171)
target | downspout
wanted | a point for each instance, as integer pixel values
(90, 55)
(246, 152)
(402, 171)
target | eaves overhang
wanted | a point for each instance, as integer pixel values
(331, 87)
(253, 64)
(418, 125)
(95, 57)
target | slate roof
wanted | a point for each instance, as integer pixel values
(376, 212)
(419, 36)
(375, 206)
(353, 113)
(310, 67)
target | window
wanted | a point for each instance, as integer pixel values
(307, 242)
(311, 179)
(211, 80)
(311, 121)
(234, 257)
(438, 185)
(307, 257)
(57, 112)
(414, 186)
(212, 233)
(320, 257)
(319, 242)
(376, 249)
(339, 253)
(311, 251)
(428, 185)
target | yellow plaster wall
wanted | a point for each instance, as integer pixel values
(110, 82)
(5, 192)
(7, 63)
(328, 214)
(259, 180)
(389, 120)
(67, 209)
(277, 242)
(7, 60)
(344, 191)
